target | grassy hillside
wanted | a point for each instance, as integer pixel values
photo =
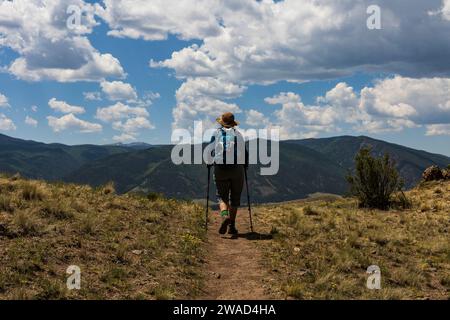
(322, 248)
(127, 247)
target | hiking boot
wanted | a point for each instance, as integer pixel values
(232, 229)
(224, 226)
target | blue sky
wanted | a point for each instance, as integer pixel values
(134, 56)
(175, 63)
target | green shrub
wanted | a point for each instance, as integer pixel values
(375, 180)
(153, 196)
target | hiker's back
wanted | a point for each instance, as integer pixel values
(229, 147)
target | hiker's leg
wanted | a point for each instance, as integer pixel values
(237, 184)
(224, 206)
(233, 214)
(223, 185)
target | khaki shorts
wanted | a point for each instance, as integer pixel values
(229, 181)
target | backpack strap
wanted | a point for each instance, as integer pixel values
(235, 147)
(224, 140)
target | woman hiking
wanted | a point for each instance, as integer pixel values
(230, 161)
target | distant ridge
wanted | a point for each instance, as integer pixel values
(306, 166)
(133, 145)
(48, 161)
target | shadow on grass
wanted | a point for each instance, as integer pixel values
(252, 236)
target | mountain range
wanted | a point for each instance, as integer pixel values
(306, 166)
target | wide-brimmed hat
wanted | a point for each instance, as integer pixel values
(227, 120)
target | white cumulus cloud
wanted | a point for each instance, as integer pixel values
(132, 125)
(128, 120)
(120, 111)
(438, 129)
(64, 107)
(302, 40)
(92, 96)
(31, 121)
(118, 91)
(295, 117)
(47, 48)
(423, 101)
(444, 11)
(202, 99)
(256, 119)
(71, 122)
(156, 19)
(3, 101)
(125, 137)
(391, 105)
(263, 42)
(6, 124)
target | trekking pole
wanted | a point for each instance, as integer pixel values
(207, 198)
(248, 200)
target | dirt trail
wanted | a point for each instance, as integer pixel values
(233, 269)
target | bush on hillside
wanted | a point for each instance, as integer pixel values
(433, 173)
(375, 180)
(153, 196)
(446, 174)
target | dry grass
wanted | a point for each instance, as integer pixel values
(31, 190)
(6, 203)
(322, 250)
(126, 246)
(109, 188)
(25, 223)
